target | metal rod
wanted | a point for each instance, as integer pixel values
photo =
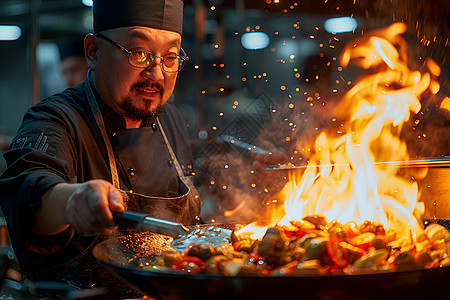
(241, 144)
(440, 161)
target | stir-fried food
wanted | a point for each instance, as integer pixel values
(313, 246)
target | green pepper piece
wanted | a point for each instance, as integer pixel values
(316, 247)
(369, 259)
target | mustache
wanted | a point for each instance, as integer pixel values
(147, 85)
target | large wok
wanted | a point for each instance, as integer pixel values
(127, 254)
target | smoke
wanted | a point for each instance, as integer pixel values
(290, 119)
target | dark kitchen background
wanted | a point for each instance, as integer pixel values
(291, 72)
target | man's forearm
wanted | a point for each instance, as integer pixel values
(51, 217)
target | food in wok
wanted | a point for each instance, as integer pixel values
(311, 246)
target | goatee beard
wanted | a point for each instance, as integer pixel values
(136, 114)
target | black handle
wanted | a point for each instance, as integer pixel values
(142, 222)
(128, 219)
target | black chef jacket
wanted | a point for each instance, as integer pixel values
(60, 142)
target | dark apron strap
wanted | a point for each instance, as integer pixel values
(180, 172)
(99, 120)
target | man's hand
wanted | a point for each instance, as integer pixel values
(89, 208)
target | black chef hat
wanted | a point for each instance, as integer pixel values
(71, 46)
(160, 14)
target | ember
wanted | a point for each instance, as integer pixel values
(374, 209)
(349, 183)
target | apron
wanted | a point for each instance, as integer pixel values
(183, 209)
(83, 271)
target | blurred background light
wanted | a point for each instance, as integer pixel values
(339, 25)
(287, 49)
(87, 2)
(10, 32)
(255, 40)
(203, 134)
(87, 20)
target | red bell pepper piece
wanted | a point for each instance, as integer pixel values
(189, 264)
(335, 252)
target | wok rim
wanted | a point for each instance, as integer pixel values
(362, 272)
(213, 276)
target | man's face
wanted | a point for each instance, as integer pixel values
(136, 93)
(74, 69)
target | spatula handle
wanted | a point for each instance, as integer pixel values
(128, 219)
(142, 222)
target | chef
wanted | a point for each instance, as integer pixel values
(73, 63)
(113, 142)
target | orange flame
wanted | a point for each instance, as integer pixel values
(445, 104)
(349, 185)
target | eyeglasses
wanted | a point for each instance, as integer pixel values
(171, 63)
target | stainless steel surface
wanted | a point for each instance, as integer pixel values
(434, 191)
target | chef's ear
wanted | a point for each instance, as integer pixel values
(91, 48)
